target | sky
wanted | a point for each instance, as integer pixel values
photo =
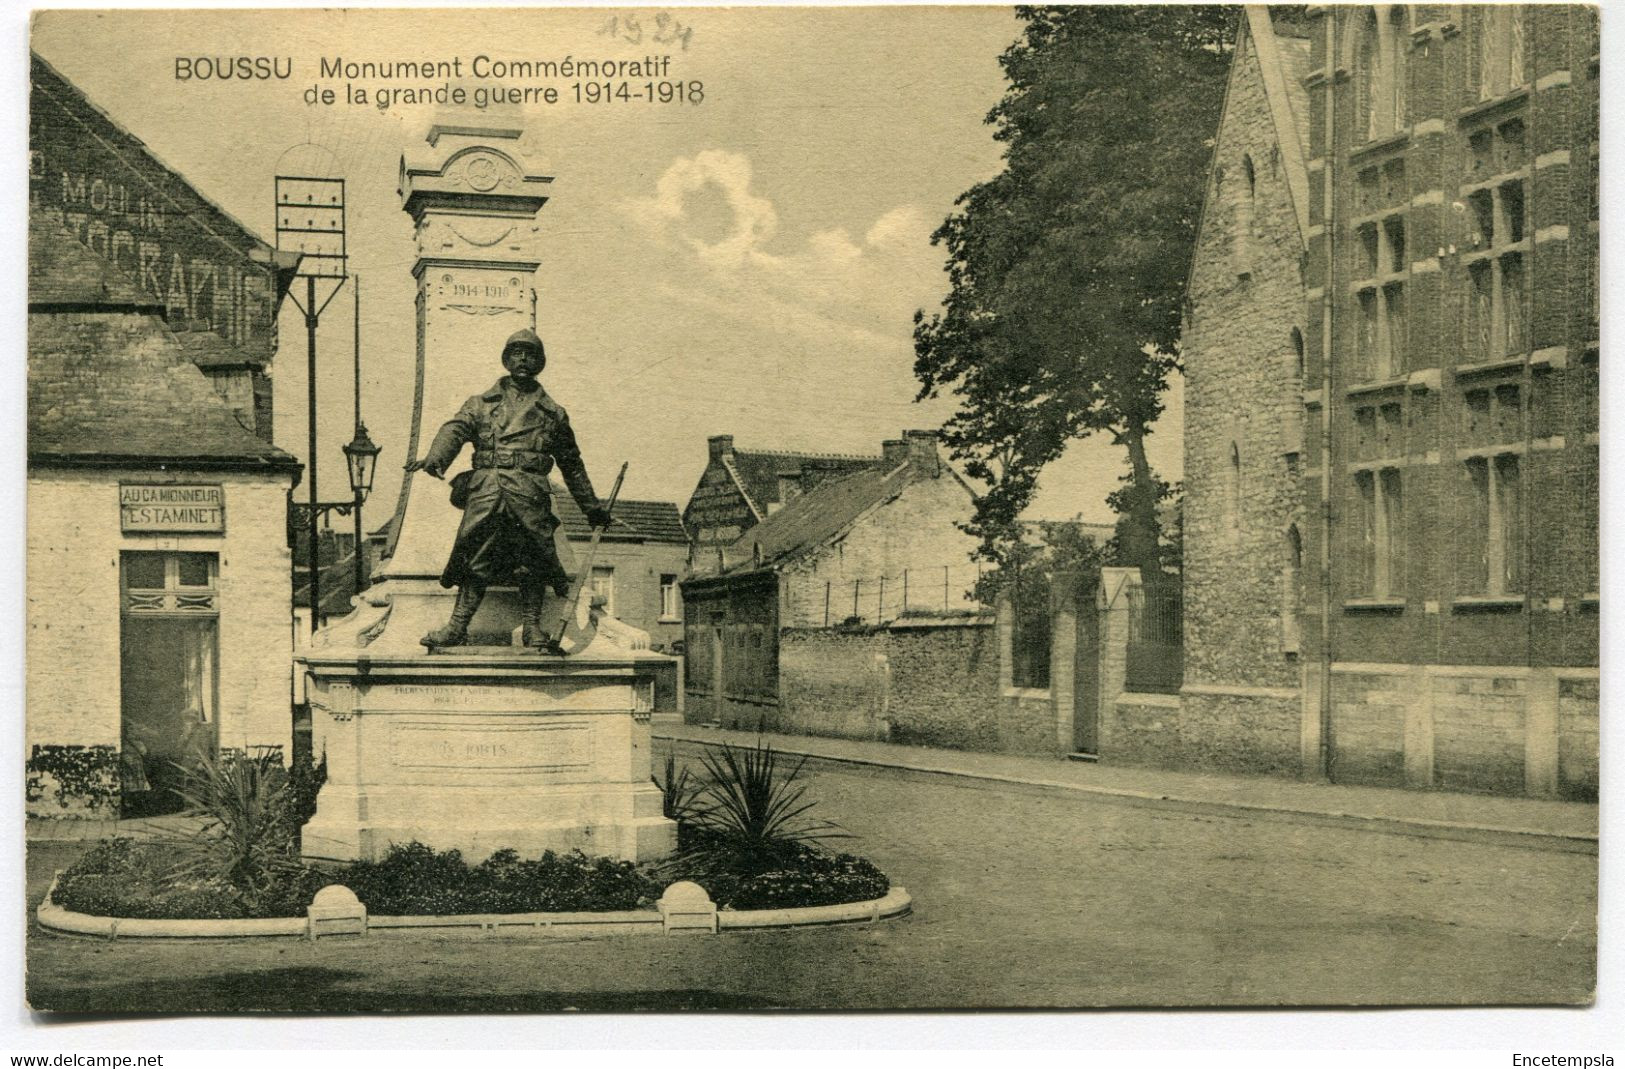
(748, 265)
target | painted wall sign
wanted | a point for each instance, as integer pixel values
(116, 199)
(172, 508)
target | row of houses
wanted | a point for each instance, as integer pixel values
(1390, 526)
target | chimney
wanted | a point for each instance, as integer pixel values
(722, 445)
(893, 453)
(922, 452)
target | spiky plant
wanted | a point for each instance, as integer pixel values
(680, 792)
(754, 812)
(247, 838)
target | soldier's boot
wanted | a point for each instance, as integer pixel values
(455, 633)
(534, 633)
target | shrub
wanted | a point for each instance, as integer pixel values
(801, 876)
(410, 879)
(124, 878)
(680, 792)
(416, 879)
(85, 776)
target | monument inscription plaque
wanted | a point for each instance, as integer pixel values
(557, 747)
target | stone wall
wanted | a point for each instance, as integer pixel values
(73, 622)
(1577, 734)
(916, 682)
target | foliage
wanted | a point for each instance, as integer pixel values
(83, 775)
(248, 838)
(1170, 503)
(754, 813)
(680, 792)
(305, 781)
(1031, 568)
(417, 879)
(801, 876)
(1067, 269)
(124, 878)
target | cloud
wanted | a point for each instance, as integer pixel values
(829, 285)
(726, 173)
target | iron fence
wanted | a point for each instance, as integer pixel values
(1156, 648)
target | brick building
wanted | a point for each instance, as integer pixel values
(740, 488)
(158, 610)
(866, 549)
(1437, 569)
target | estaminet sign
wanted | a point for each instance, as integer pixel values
(172, 508)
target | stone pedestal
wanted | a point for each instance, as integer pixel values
(479, 747)
(484, 748)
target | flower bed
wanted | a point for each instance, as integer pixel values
(744, 839)
(137, 880)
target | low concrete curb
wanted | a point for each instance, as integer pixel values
(895, 903)
(1526, 838)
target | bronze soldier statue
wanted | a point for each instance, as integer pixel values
(519, 435)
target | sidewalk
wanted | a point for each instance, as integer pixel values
(1529, 822)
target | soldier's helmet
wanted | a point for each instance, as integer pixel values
(524, 339)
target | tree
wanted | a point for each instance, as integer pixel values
(1067, 270)
(1030, 573)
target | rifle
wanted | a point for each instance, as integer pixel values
(584, 576)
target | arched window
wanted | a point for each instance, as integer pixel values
(1381, 42)
(1297, 356)
(1498, 51)
(1246, 209)
(1291, 632)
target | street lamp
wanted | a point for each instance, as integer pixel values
(362, 457)
(360, 460)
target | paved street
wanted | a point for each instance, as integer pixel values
(1021, 900)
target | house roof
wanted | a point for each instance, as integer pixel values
(107, 379)
(63, 272)
(338, 585)
(106, 386)
(816, 517)
(46, 78)
(757, 471)
(651, 521)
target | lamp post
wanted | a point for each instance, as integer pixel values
(310, 220)
(360, 460)
(361, 455)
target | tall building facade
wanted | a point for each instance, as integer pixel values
(1443, 546)
(1243, 340)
